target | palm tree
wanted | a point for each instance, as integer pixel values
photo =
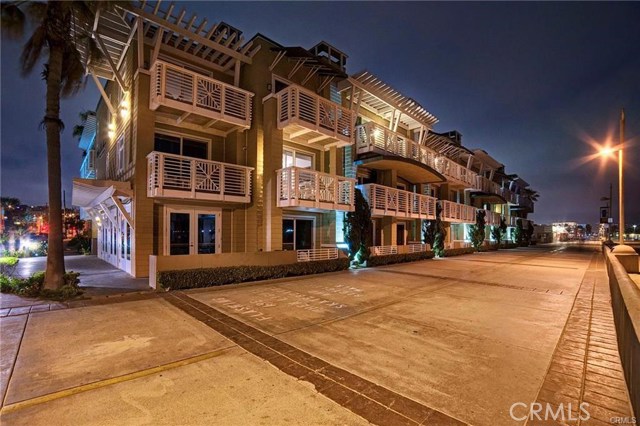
(59, 28)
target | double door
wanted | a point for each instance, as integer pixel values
(192, 231)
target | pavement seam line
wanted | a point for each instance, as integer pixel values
(111, 381)
(193, 303)
(586, 350)
(15, 360)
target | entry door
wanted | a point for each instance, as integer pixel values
(124, 245)
(297, 233)
(193, 231)
(400, 231)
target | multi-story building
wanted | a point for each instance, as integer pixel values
(209, 150)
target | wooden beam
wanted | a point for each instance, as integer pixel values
(105, 98)
(172, 27)
(299, 133)
(236, 73)
(183, 117)
(140, 31)
(157, 42)
(122, 210)
(111, 64)
(318, 138)
(126, 47)
(107, 212)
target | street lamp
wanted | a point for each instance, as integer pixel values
(607, 152)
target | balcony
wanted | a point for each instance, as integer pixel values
(486, 185)
(309, 119)
(457, 213)
(199, 100)
(175, 176)
(311, 190)
(88, 166)
(387, 201)
(374, 138)
(510, 196)
(492, 218)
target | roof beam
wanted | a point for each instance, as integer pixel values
(176, 28)
(122, 210)
(111, 64)
(105, 98)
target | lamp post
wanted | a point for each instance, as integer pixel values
(608, 151)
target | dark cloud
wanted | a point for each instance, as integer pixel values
(520, 80)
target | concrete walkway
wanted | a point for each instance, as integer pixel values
(453, 341)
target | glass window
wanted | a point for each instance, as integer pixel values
(179, 233)
(206, 233)
(297, 234)
(168, 144)
(288, 232)
(196, 149)
(120, 161)
(296, 158)
(304, 161)
(304, 234)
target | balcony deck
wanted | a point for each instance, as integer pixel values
(457, 213)
(309, 119)
(310, 190)
(192, 98)
(175, 176)
(387, 201)
(374, 138)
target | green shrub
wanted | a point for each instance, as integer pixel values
(459, 251)
(390, 259)
(8, 265)
(211, 277)
(34, 286)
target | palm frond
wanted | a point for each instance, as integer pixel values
(32, 50)
(72, 72)
(12, 19)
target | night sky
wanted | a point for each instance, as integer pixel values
(528, 83)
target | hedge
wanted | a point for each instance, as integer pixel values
(459, 251)
(211, 277)
(390, 259)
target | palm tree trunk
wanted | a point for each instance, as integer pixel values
(54, 275)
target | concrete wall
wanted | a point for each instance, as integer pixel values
(625, 301)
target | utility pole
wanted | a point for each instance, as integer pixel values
(621, 178)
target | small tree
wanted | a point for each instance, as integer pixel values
(499, 232)
(357, 230)
(476, 232)
(518, 234)
(429, 232)
(528, 233)
(440, 234)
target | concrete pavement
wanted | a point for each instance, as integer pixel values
(457, 340)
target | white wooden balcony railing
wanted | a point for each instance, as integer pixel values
(309, 118)
(372, 137)
(456, 212)
(383, 250)
(308, 188)
(316, 254)
(176, 176)
(492, 218)
(510, 196)
(387, 201)
(191, 92)
(416, 248)
(486, 185)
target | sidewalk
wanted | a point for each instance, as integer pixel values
(585, 368)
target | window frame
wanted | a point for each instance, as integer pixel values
(182, 137)
(295, 151)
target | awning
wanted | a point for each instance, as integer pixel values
(96, 195)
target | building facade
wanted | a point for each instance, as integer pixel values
(206, 150)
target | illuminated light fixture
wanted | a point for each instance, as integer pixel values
(125, 109)
(112, 130)
(98, 218)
